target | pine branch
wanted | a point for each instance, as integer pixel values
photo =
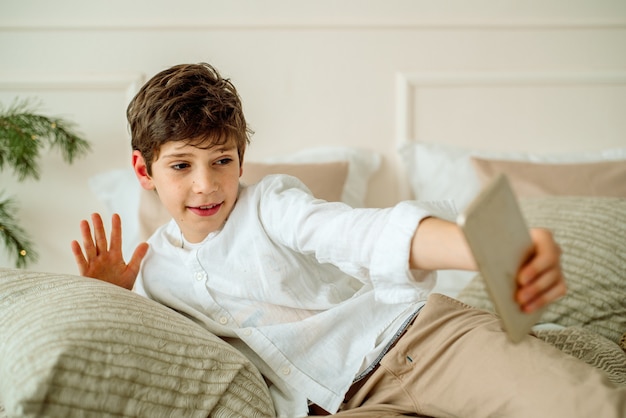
(24, 134)
(15, 239)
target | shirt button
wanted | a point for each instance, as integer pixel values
(199, 276)
(247, 332)
(223, 320)
(285, 370)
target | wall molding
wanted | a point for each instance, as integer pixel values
(409, 84)
(129, 83)
(316, 23)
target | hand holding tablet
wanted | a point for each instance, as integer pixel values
(500, 241)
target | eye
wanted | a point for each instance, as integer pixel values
(180, 166)
(224, 161)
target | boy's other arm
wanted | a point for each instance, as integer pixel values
(103, 261)
(438, 244)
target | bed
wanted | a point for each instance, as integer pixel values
(116, 354)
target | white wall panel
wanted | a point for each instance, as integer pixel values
(513, 111)
(310, 73)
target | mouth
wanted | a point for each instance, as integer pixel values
(205, 210)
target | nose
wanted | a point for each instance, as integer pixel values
(204, 182)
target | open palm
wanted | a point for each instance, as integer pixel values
(105, 261)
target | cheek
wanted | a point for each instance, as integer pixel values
(234, 180)
(170, 192)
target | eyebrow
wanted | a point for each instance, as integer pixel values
(187, 154)
(176, 155)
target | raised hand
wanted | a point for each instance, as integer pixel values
(103, 261)
(540, 281)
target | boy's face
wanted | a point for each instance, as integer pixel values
(198, 187)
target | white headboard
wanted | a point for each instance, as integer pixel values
(513, 111)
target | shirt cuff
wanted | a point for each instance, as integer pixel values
(393, 280)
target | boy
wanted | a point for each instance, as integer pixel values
(326, 300)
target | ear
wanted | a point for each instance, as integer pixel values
(141, 171)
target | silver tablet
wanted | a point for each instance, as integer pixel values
(500, 241)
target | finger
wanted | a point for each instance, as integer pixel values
(536, 268)
(132, 268)
(540, 285)
(88, 243)
(550, 295)
(99, 233)
(545, 257)
(79, 257)
(116, 235)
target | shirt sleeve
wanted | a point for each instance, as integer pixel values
(369, 244)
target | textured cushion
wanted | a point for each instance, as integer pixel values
(592, 234)
(528, 179)
(72, 346)
(590, 347)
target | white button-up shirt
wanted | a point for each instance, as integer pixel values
(310, 291)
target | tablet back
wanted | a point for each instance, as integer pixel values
(500, 241)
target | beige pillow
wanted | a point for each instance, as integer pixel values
(606, 178)
(591, 232)
(325, 180)
(74, 347)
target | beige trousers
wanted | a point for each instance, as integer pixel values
(456, 361)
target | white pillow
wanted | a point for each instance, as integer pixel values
(443, 172)
(119, 190)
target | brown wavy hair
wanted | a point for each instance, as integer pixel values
(187, 102)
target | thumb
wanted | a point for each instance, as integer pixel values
(138, 255)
